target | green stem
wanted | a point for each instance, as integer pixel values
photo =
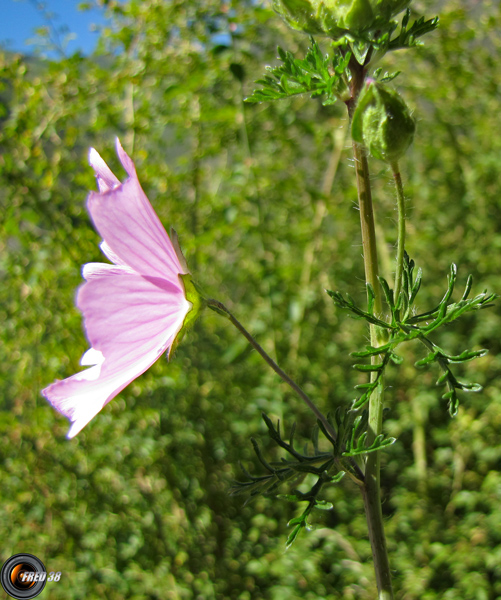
(368, 230)
(371, 494)
(371, 489)
(221, 309)
(401, 228)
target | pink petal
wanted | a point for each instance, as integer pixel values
(105, 179)
(82, 396)
(93, 270)
(131, 229)
(92, 357)
(130, 321)
(110, 255)
(126, 310)
(125, 159)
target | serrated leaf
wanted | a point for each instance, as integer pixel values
(299, 76)
(408, 37)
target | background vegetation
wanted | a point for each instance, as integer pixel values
(263, 198)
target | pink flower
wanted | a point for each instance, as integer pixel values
(133, 309)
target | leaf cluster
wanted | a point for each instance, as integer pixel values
(350, 427)
(317, 74)
(355, 444)
(408, 37)
(292, 470)
(369, 49)
(286, 470)
(349, 444)
(404, 326)
(310, 497)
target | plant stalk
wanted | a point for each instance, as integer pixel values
(401, 228)
(221, 309)
(371, 489)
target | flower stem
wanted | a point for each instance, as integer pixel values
(401, 228)
(221, 309)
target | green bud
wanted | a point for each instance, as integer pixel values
(337, 18)
(383, 123)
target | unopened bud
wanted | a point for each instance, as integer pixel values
(383, 123)
(337, 18)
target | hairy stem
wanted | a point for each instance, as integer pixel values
(220, 308)
(401, 228)
(371, 489)
(372, 500)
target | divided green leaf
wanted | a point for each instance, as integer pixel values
(409, 37)
(316, 74)
(406, 326)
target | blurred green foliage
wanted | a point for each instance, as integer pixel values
(263, 199)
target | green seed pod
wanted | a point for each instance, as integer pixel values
(383, 123)
(337, 18)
